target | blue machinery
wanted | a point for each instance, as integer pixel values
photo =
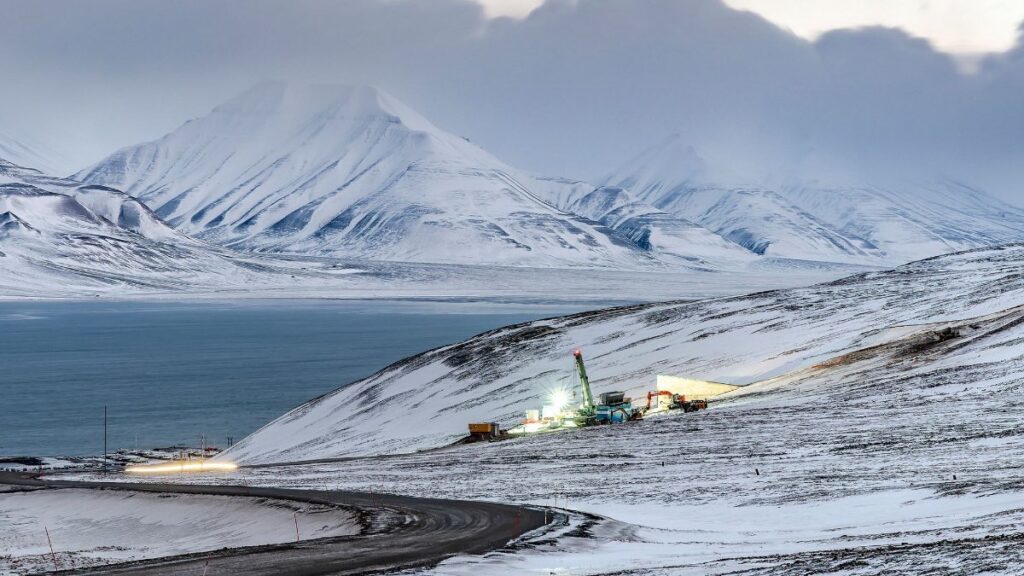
(612, 407)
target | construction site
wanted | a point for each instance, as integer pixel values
(578, 407)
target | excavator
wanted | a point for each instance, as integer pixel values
(611, 408)
(675, 402)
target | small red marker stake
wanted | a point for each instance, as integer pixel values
(295, 516)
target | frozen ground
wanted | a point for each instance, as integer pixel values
(92, 527)
(880, 433)
(901, 457)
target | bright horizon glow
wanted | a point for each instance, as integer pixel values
(960, 27)
(182, 466)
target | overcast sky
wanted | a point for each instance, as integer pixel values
(574, 88)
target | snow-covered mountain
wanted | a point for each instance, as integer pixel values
(59, 237)
(63, 238)
(654, 230)
(426, 400)
(806, 219)
(350, 171)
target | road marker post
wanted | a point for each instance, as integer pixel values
(50, 542)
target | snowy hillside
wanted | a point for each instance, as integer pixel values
(59, 237)
(901, 457)
(426, 400)
(864, 223)
(350, 171)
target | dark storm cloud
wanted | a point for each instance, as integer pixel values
(574, 89)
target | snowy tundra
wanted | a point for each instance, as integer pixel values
(879, 432)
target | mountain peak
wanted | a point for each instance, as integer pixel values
(350, 171)
(291, 103)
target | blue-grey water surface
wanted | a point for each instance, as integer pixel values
(170, 373)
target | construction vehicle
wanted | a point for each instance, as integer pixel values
(675, 402)
(658, 394)
(484, 431)
(612, 408)
(693, 405)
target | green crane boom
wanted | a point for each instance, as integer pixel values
(588, 397)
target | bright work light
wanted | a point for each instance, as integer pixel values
(559, 399)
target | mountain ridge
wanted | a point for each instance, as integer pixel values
(841, 219)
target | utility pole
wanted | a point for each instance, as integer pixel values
(104, 439)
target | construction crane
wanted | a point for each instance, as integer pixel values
(614, 406)
(585, 415)
(581, 370)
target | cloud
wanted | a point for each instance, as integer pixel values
(574, 88)
(956, 26)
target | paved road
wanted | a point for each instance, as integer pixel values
(398, 532)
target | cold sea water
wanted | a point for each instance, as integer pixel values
(170, 373)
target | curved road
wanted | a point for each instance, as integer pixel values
(398, 532)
